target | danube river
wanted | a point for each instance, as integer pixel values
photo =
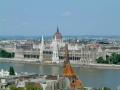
(89, 77)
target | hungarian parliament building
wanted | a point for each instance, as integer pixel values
(54, 51)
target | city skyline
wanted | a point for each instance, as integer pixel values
(34, 18)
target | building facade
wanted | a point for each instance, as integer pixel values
(54, 52)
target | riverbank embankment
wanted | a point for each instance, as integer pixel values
(95, 66)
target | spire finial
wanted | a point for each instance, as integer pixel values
(42, 39)
(57, 28)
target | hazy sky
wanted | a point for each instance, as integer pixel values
(74, 17)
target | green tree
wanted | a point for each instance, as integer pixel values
(13, 87)
(5, 54)
(118, 58)
(105, 88)
(108, 59)
(113, 59)
(33, 87)
(11, 71)
(100, 60)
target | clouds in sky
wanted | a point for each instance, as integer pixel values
(25, 23)
(66, 13)
(78, 17)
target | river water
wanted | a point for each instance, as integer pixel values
(89, 77)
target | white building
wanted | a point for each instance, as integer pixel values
(55, 56)
(4, 73)
(53, 52)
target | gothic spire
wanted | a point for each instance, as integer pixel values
(57, 29)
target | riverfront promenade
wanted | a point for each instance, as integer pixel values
(97, 66)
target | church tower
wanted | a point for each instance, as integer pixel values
(72, 81)
(55, 56)
(58, 35)
(41, 47)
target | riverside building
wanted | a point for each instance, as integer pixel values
(53, 51)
